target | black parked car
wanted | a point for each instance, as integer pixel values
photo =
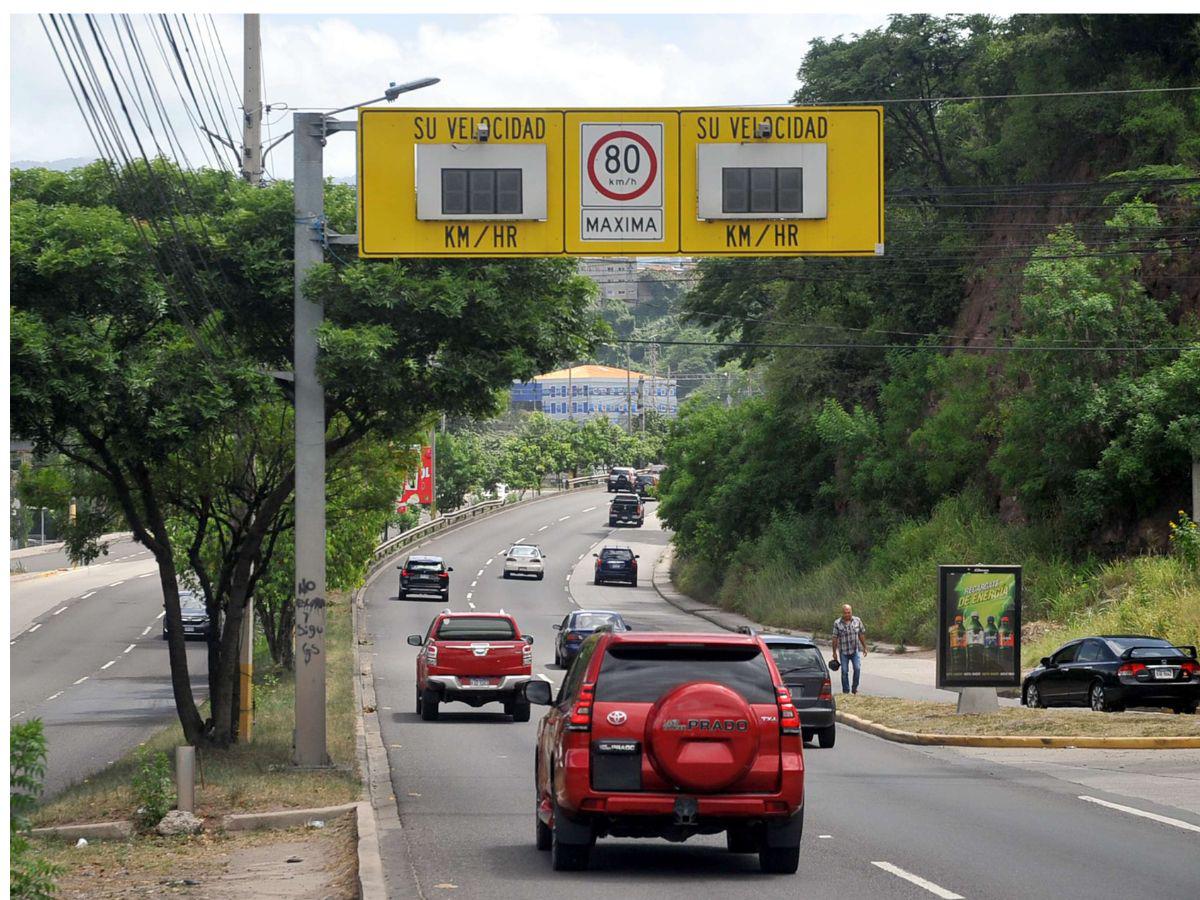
(615, 564)
(803, 670)
(626, 509)
(194, 615)
(425, 575)
(1111, 672)
(621, 478)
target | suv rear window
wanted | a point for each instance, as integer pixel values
(470, 628)
(641, 674)
(616, 554)
(789, 657)
(424, 565)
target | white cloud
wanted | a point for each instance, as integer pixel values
(504, 60)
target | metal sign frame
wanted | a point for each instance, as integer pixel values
(950, 675)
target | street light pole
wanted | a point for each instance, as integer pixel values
(310, 131)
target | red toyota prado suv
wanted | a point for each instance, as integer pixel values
(670, 735)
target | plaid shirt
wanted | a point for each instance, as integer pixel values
(845, 634)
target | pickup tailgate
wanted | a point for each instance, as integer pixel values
(480, 658)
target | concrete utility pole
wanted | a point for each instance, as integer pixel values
(1196, 490)
(433, 513)
(309, 140)
(628, 396)
(252, 167)
(309, 235)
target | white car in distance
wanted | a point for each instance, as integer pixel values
(524, 559)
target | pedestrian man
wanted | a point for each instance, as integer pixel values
(849, 643)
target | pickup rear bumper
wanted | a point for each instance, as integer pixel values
(459, 687)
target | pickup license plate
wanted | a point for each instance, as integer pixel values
(1164, 674)
(481, 682)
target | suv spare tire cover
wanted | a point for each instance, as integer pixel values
(702, 736)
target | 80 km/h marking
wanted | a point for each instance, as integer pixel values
(623, 162)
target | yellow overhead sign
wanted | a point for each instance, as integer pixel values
(460, 182)
(697, 182)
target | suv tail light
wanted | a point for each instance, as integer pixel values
(431, 654)
(826, 691)
(1131, 669)
(404, 573)
(443, 574)
(581, 713)
(789, 720)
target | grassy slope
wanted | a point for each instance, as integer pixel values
(894, 588)
(253, 776)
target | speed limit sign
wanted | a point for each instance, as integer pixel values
(621, 181)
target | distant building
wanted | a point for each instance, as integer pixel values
(616, 275)
(585, 392)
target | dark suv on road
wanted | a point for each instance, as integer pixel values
(669, 735)
(621, 478)
(425, 575)
(615, 564)
(803, 670)
(626, 509)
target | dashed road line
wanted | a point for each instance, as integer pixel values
(543, 528)
(470, 604)
(935, 889)
(54, 696)
(473, 583)
(489, 562)
(564, 518)
(88, 594)
(161, 614)
(590, 508)
(16, 715)
(81, 680)
(130, 647)
(147, 575)
(147, 631)
(111, 662)
(480, 572)
(469, 595)
(35, 627)
(117, 583)
(57, 611)
(1133, 811)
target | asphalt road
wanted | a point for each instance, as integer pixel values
(86, 656)
(881, 819)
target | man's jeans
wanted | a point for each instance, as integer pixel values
(847, 659)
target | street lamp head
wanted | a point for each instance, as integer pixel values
(395, 90)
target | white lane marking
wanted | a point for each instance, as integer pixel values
(88, 594)
(10, 643)
(130, 647)
(147, 631)
(81, 680)
(543, 528)
(825, 837)
(1166, 820)
(35, 627)
(473, 583)
(470, 604)
(147, 575)
(489, 562)
(57, 611)
(564, 518)
(17, 716)
(920, 882)
(111, 662)
(589, 509)
(161, 614)
(54, 696)
(480, 572)
(469, 595)
(116, 583)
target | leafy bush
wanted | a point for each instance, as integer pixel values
(29, 875)
(153, 788)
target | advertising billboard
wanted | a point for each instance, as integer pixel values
(979, 626)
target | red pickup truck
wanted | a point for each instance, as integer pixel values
(474, 658)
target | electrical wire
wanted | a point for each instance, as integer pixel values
(833, 345)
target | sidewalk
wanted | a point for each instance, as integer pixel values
(910, 676)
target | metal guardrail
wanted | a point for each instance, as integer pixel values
(442, 523)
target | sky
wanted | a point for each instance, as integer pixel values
(539, 59)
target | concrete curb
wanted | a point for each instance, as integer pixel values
(93, 831)
(25, 552)
(284, 818)
(1016, 741)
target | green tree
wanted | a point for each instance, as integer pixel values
(29, 875)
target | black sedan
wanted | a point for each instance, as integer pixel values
(1111, 672)
(803, 670)
(425, 575)
(578, 626)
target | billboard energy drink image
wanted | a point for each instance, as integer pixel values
(979, 634)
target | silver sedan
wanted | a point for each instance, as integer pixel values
(524, 559)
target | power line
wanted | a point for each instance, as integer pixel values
(1000, 348)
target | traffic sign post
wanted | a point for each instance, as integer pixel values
(622, 182)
